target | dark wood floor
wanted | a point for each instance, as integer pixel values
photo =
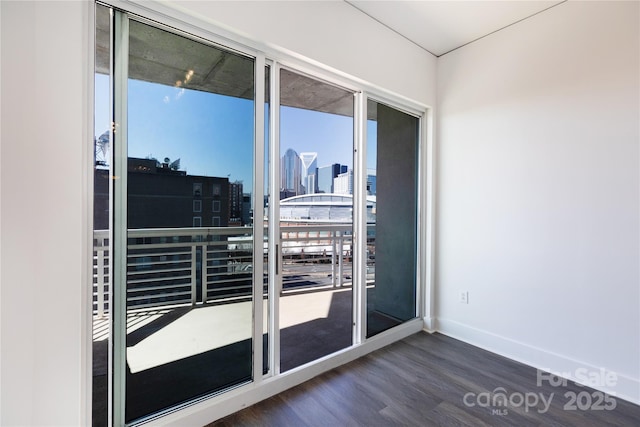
(422, 381)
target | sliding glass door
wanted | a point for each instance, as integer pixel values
(186, 158)
(316, 219)
(250, 219)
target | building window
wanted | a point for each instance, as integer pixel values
(216, 206)
(197, 221)
(216, 189)
(215, 221)
(197, 189)
(197, 205)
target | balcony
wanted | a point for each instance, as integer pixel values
(184, 283)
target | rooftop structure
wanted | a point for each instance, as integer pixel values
(317, 208)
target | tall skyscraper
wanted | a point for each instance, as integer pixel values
(309, 171)
(291, 173)
(325, 177)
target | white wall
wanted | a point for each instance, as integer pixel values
(43, 210)
(44, 186)
(538, 191)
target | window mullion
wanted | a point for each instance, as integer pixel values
(360, 219)
(275, 274)
(119, 212)
(258, 219)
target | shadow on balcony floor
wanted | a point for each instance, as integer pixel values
(308, 341)
(153, 389)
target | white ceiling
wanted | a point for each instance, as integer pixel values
(442, 26)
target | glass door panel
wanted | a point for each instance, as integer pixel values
(316, 224)
(189, 265)
(101, 212)
(392, 186)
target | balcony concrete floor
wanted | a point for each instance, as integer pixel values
(192, 330)
(167, 348)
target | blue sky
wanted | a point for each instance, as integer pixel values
(213, 134)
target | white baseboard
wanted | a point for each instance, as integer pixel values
(623, 387)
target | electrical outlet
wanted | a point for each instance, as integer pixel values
(464, 297)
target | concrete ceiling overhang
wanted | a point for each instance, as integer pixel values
(162, 57)
(303, 92)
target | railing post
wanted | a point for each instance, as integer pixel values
(340, 260)
(203, 272)
(100, 280)
(194, 262)
(333, 258)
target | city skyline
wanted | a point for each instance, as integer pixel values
(212, 134)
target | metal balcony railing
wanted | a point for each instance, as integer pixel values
(185, 266)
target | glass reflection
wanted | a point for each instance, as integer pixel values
(392, 168)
